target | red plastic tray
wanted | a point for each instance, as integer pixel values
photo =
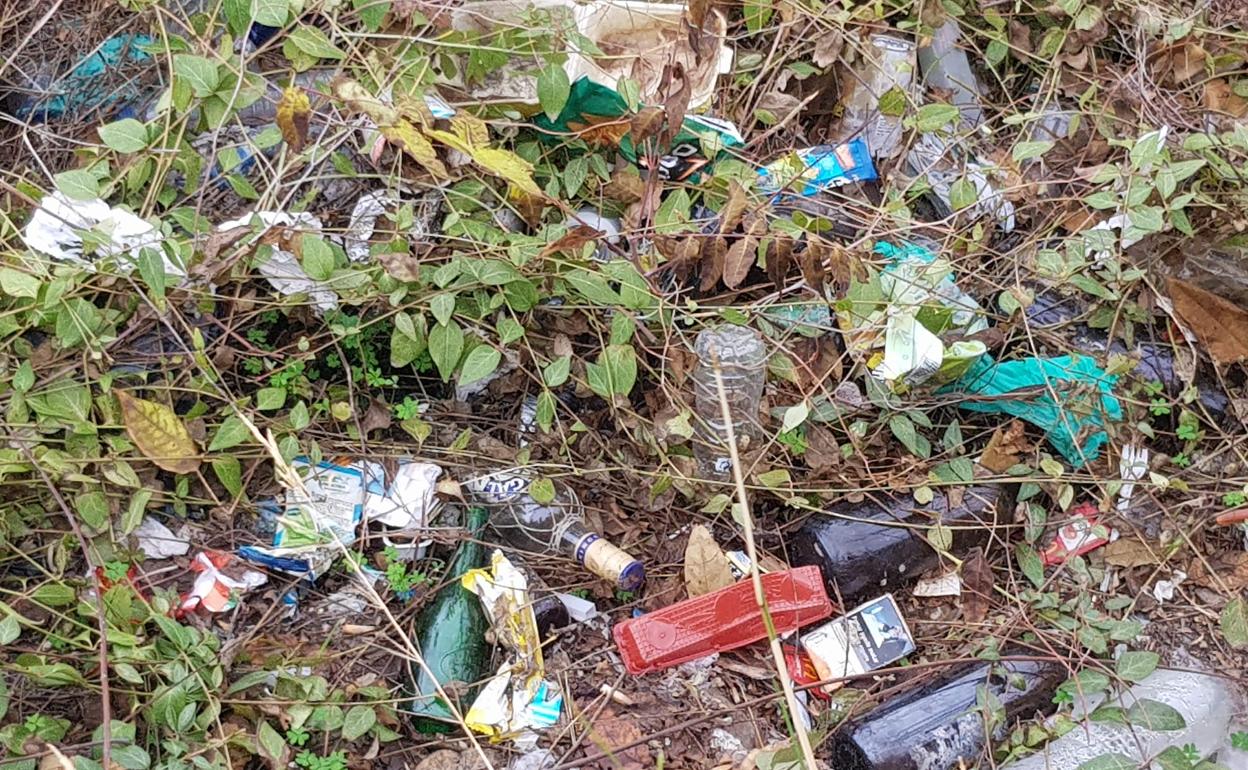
(719, 621)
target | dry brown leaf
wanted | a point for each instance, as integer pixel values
(707, 568)
(779, 258)
(1218, 96)
(626, 186)
(1221, 325)
(645, 124)
(1020, 39)
(822, 451)
(1007, 445)
(677, 102)
(734, 207)
(739, 259)
(828, 48)
(714, 255)
(377, 417)
(1130, 552)
(610, 733)
(572, 241)
(811, 262)
(158, 433)
(977, 583)
(1187, 61)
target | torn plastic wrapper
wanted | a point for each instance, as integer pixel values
(157, 541)
(948, 584)
(946, 66)
(637, 40)
(215, 590)
(887, 70)
(866, 638)
(600, 117)
(58, 226)
(408, 501)
(942, 163)
(722, 620)
(517, 698)
(88, 87)
(1074, 423)
(1082, 534)
(917, 305)
(812, 170)
(304, 541)
(282, 269)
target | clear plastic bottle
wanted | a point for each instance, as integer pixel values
(888, 63)
(557, 527)
(741, 354)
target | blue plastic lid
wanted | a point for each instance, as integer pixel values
(632, 576)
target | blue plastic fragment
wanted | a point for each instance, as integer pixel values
(87, 88)
(1070, 397)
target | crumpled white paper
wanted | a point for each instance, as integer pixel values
(282, 268)
(408, 500)
(56, 229)
(157, 541)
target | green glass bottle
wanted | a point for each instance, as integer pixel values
(451, 631)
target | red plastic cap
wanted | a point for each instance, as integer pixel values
(719, 621)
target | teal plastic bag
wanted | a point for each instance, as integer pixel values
(1070, 397)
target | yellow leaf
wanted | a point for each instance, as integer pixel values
(509, 166)
(293, 112)
(471, 129)
(393, 127)
(158, 433)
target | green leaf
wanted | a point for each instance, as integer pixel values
(933, 117)
(1110, 762)
(615, 373)
(774, 479)
(152, 271)
(480, 363)
(299, 417)
(77, 185)
(1030, 563)
(15, 283)
(1028, 150)
(941, 537)
(54, 595)
(92, 508)
(271, 13)
(1173, 758)
(556, 372)
(443, 307)
(4, 698)
(1235, 622)
(318, 257)
(962, 194)
(127, 135)
(592, 286)
(1111, 714)
(795, 416)
(1147, 218)
(542, 490)
(199, 73)
(230, 473)
(1155, 715)
(1088, 17)
(903, 428)
(312, 41)
(231, 433)
(509, 330)
(358, 720)
(1134, 666)
(10, 629)
(268, 399)
(446, 345)
(133, 515)
(553, 87)
(272, 745)
(893, 102)
(996, 52)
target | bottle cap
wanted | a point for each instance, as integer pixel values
(632, 576)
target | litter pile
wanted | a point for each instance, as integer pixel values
(543, 384)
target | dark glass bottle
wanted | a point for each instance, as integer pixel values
(937, 725)
(869, 548)
(452, 634)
